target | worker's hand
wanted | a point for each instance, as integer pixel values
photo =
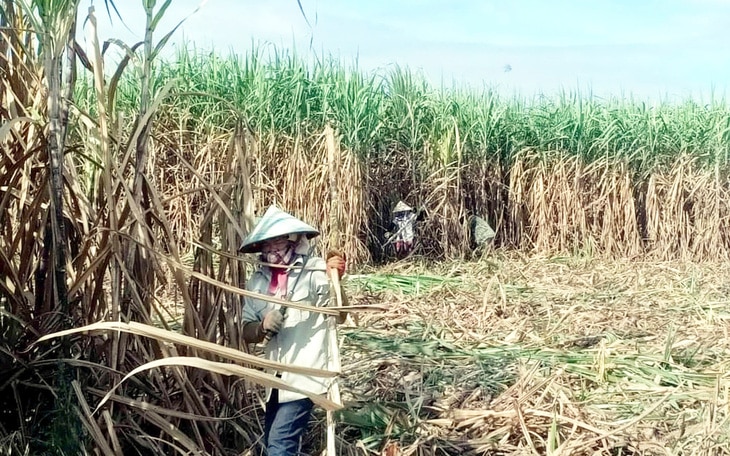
(338, 261)
(341, 317)
(273, 321)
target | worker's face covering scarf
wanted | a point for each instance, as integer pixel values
(282, 252)
(279, 252)
(278, 284)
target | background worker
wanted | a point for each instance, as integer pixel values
(403, 223)
(298, 337)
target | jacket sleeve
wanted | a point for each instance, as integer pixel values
(252, 307)
(253, 330)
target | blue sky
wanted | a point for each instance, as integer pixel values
(647, 48)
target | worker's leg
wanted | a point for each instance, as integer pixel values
(285, 425)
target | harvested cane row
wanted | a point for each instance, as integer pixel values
(517, 355)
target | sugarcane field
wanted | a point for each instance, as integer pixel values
(494, 274)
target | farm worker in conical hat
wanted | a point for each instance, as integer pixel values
(403, 220)
(290, 272)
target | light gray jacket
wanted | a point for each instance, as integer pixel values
(303, 338)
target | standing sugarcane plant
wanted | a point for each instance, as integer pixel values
(141, 282)
(84, 234)
(38, 63)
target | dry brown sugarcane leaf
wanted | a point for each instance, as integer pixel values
(23, 323)
(213, 192)
(173, 337)
(524, 427)
(107, 184)
(244, 175)
(133, 276)
(172, 245)
(232, 256)
(143, 121)
(630, 423)
(89, 421)
(262, 378)
(98, 264)
(109, 421)
(181, 379)
(145, 406)
(176, 434)
(240, 291)
(10, 281)
(363, 308)
(8, 126)
(300, 305)
(358, 308)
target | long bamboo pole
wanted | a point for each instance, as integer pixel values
(334, 390)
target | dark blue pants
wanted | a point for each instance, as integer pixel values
(285, 424)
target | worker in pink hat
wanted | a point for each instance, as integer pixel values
(297, 337)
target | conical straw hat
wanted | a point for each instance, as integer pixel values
(402, 207)
(273, 224)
